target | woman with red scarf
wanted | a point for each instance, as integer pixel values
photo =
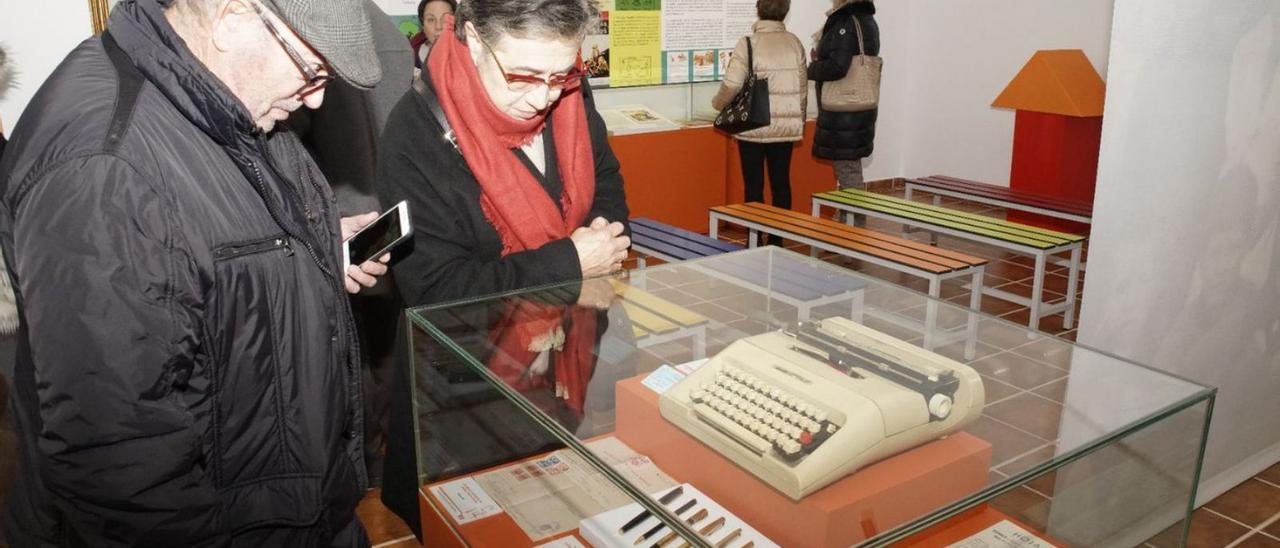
(511, 184)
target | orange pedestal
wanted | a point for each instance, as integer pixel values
(1055, 155)
(876, 498)
(676, 176)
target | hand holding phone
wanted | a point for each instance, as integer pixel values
(371, 244)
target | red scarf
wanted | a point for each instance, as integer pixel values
(510, 196)
(571, 365)
(522, 213)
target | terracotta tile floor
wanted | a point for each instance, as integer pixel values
(1246, 516)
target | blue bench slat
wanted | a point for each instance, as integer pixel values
(694, 248)
(811, 280)
(664, 247)
(656, 228)
(751, 273)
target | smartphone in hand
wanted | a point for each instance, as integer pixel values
(379, 237)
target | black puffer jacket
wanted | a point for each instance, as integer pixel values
(844, 135)
(185, 371)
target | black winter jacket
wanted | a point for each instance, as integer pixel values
(844, 135)
(185, 373)
(457, 254)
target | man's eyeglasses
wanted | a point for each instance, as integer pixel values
(521, 83)
(316, 77)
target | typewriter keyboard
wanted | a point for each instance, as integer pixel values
(761, 416)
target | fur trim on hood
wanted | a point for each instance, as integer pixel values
(8, 75)
(8, 306)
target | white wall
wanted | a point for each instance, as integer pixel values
(1184, 264)
(957, 58)
(945, 61)
(37, 36)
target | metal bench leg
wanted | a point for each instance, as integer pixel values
(700, 342)
(931, 311)
(906, 228)
(975, 288)
(1069, 317)
(858, 301)
(975, 305)
(640, 262)
(713, 228)
(753, 238)
(1037, 291)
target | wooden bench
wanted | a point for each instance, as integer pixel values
(915, 258)
(1019, 238)
(671, 244)
(801, 285)
(902, 255)
(655, 320)
(986, 193)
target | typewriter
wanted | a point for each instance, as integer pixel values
(806, 405)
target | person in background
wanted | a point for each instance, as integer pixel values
(8, 327)
(431, 14)
(778, 56)
(342, 136)
(520, 189)
(187, 370)
(845, 138)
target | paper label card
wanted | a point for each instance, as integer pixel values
(465, 500)
(1005, 534)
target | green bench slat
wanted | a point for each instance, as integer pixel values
(965, 222)
(1031, 231)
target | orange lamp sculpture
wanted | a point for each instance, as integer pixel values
(1058, 97)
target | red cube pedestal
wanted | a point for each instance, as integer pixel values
(1055, 155)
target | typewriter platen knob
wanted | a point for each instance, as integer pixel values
(940, 405)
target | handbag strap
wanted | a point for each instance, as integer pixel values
(858, 27)
(751, 62)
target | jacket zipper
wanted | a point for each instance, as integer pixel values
(335, 283)
(233, 251)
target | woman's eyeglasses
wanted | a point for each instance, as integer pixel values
(316, 77)
(526, 82)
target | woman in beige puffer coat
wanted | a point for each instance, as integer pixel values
(778, 56)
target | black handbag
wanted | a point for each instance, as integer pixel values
(749, 108)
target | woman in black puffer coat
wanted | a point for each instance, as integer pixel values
(844, 137)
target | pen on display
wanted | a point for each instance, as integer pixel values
(729, 538)
(644, 513)
(659, 526)
(712, 527)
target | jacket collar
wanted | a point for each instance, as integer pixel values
(161, 55)
(855, 7)
(764, 25)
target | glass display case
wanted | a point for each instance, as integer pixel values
(766, 398)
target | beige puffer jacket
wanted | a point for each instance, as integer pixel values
(780, 57)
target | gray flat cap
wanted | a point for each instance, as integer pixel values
(340, 31)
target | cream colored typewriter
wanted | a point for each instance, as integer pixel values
(804, 406)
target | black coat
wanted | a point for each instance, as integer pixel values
(186, 368)
(844, 135)
(457, 254)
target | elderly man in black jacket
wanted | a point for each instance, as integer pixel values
(187, 372)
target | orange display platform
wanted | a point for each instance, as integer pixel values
(857, 507)
(872, 500)
(676, 176)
